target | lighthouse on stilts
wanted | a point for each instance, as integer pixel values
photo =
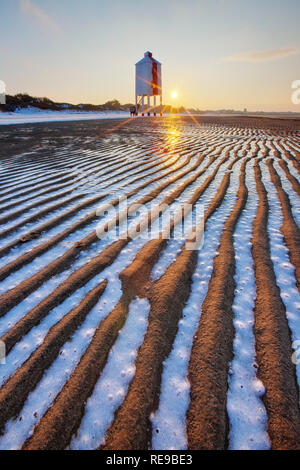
(148, 86)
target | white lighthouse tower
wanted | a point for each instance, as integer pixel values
(148, 84)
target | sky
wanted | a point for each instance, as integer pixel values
(217, 54)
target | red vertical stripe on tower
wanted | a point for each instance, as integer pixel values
(154, 78)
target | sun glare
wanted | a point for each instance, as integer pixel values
(174, 95)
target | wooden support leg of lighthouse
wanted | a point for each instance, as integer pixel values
(142, 105)
(161, 105)
(148, 105)
(154, 105)
(136, 105)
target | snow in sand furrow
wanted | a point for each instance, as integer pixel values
(284, 270)
(112, 386)
(127, 172)
(30, 173)
(28, 180)
(293, 197)
(40, 165)
(51, 233)
(78, 172)
(23, 349)
(30, 225)
(169, 421)
(31, 341)
(55, 377)
(112, 184)
(49, 217)
(81, 188)
(294, 143)
(291, 147)
(290, 165)
(59, 160)
(38, 195)
(37, 296)
(246, 412)
(77, 184)
(26, 205)
(61, 248)
(174, 246)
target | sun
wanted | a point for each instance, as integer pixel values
(174, 95)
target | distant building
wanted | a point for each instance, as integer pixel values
(2, 92)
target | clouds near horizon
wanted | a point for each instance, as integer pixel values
(263, 56)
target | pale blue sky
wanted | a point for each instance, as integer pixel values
(215, 53)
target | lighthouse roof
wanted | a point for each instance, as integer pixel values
(148, 58)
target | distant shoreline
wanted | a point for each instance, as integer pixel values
(23, 117)
(24, 103)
